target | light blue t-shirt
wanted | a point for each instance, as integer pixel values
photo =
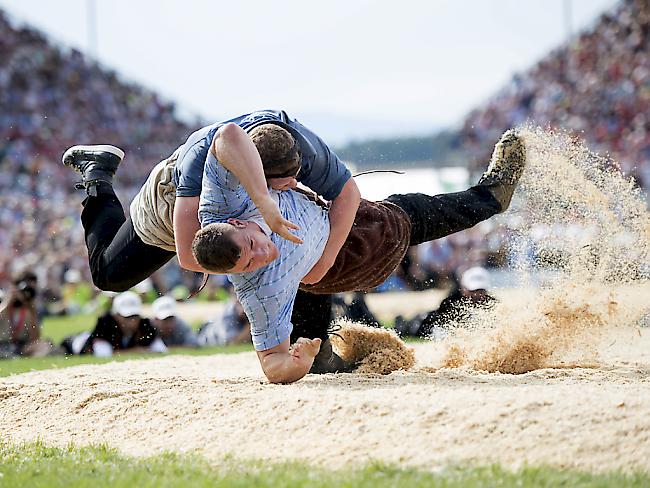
(267, 294)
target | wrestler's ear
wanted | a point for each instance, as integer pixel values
(238, 224)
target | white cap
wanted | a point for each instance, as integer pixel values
(144, 287)
(164, 307)
(476, 278)
(72, 276)
(127, 304)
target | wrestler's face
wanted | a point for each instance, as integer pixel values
(257, 249)
(286, 183)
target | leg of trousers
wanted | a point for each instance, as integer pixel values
(117, 256)
(433, 217)
(311, 316)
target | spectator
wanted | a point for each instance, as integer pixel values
(75, 293)
(171, 328)
(123, 328)
(20, 330)
(455, 308)
(229, 327)
(355, 310)
(435, 259)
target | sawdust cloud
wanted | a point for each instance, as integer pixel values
(373, 350)
(584, 218)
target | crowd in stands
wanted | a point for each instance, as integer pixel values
(597, 85)
(52, 98)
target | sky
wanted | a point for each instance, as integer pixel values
(348, 69)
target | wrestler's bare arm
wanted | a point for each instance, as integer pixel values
(186, 224)
(342, 212)
(235, 150)
(285, 363)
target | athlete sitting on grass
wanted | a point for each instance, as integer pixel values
(266, 271)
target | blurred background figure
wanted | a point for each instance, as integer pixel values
(229, 327)
(173, 330)
(123, 328)
(355, 309)
(20, 328)
(76, 294)
(470, 293)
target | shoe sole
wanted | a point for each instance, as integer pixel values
(116, 151)
(507, 147)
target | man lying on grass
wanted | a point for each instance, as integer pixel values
(266, 271)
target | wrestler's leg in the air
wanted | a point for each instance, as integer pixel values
(117, 256)
(311, 318)
(433, 217)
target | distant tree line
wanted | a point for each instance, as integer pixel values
(439, 149)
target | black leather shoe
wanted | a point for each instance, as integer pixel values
(327, 361)
(97, 164)
(505, 169)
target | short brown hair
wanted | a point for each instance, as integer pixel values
(279, 150)
(214, 249)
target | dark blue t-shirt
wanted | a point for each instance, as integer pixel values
(320, 169)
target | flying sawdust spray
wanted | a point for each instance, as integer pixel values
(581, 216)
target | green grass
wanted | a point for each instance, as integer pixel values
(35, 465)
(58, 328)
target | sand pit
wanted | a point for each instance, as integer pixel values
(594, 419)
(559, 375)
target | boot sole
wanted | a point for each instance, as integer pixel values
(68, 154)
(507, 148)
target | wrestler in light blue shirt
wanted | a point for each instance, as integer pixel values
(267, 294)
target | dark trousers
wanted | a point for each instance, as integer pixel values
(311, 316)
(432, 217)
(118, 258)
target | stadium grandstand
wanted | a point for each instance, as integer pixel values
(51, 98)
(598, 85)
